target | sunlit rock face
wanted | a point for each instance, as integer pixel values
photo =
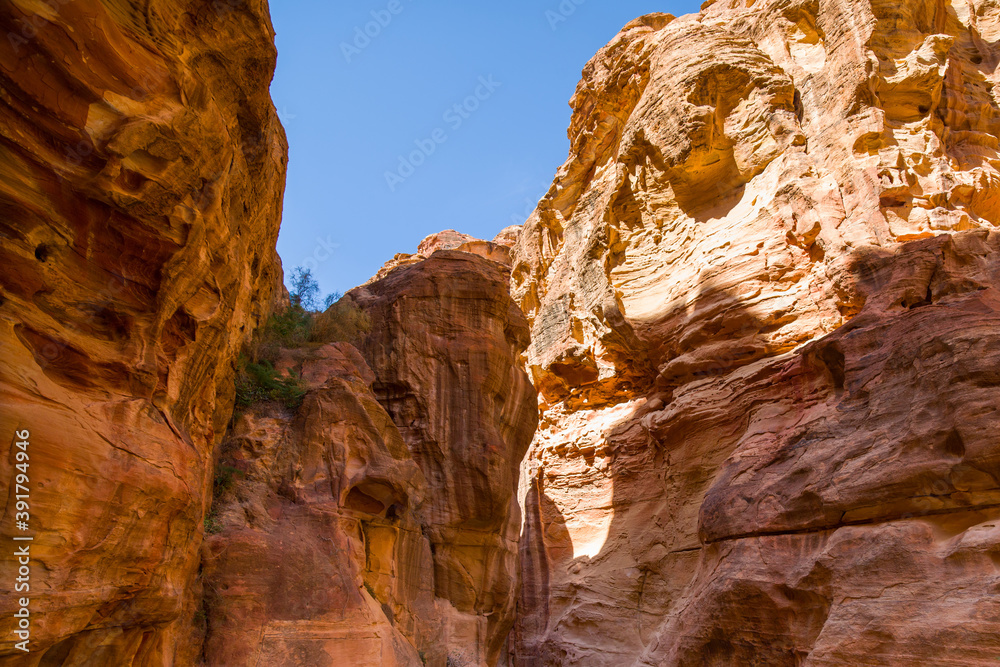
(763, 302)
(141, 173)
(497, 250)
(378, 524)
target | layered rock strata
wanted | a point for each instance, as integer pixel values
(141, 174)
(378, 524)
(763, 297)
(497, 250)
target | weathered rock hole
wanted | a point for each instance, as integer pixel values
(374, 498)
(833, 358)
(926, 301)
(574, 373)
(42, 252)
(360, 501)
(954, 446)
(892, 201)
(179, 330)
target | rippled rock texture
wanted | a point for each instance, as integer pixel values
(764, 308)
(141, 174)
(378, 524)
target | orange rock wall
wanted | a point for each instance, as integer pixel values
(141, 174)
(763, 297)
(377, 525)
(759, 304)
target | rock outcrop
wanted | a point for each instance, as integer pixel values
(763, 296)
(141, 174)
(497, 250)
(760, 305)
(378, 525)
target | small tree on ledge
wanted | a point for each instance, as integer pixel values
(305, 290)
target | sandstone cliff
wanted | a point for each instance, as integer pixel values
(763, 296)
(141, 173)
(759, 304)
(378, 524)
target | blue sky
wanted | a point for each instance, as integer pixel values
(355, 104)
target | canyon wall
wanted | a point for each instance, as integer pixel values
(141, 174)
(759, 304)
(764, 308)
(377, 524)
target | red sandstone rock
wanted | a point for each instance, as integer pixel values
(497, 250)
(763, 302)
(447, 354)
(318, 521)
(508, 236)
(378, 525)
(141, 172)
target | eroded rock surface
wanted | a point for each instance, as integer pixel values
(141, 173)
(763, 296)
(379, 524)
(497, 250)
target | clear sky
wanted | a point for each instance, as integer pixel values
(355, 104)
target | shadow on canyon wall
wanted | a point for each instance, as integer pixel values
(665, 456)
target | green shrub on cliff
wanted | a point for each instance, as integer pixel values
(342, 321)
(300, 325)
(297, 326)
(259, 382)
(289, 329)
(305, 290)
(212, 525)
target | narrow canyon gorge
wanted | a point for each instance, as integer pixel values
(727, 397)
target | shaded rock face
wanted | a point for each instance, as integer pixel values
(379, 524)
(446, 353)
(763, 298)
(141, 173)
